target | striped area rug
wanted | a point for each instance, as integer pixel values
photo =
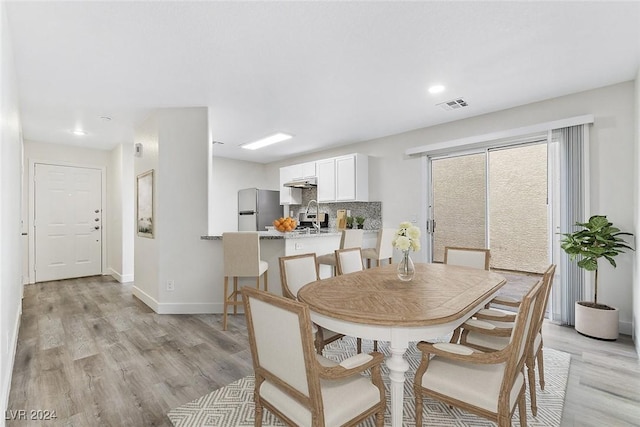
(232, 405)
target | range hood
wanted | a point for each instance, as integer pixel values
(303, 183)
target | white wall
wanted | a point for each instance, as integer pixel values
(176, 146)
(227, 177)
(120, 204)
(395, 179)
(636, 230)
(10, 215)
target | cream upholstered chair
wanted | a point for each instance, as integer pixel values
(383, 249)
(350, 261)
(467, 257)
(241, 259)
(349, 239)
(491, 328)
(296, 384)
(486, 384)
(295, 272)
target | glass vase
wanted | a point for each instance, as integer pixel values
(406, 269)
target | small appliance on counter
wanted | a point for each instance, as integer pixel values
(306, 220)
(257, 209)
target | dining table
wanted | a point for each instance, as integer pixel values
(375, 304)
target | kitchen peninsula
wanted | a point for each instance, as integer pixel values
(274, 244)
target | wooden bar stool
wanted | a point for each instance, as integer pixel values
(349, 239)
(241, 259)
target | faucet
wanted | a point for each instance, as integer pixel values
(316, 224)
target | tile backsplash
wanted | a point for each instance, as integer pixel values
(372, 211)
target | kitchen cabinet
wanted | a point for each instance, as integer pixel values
(343, 179)
(290, 196)
(326, 170)
(308, 169)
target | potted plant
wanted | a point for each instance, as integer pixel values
(349, 222)
(597, 239)
(360, 221)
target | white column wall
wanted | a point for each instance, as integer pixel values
(176, 146)
(120, 205)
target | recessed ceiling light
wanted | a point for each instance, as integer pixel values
(78, 132)
(273, 139)
(436, 89)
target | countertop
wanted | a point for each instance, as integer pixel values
(277, 235)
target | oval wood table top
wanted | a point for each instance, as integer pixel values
(437, 294)
(375, 304)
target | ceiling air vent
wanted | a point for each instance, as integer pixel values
(454, 104)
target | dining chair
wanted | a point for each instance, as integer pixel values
(348, 239)
(350, 261)
(490, 385)
(295, 272)
(488, 333)
(297, 385)
(467, 257)
(241, 259)
(383, 249)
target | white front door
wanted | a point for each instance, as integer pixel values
(68, 222)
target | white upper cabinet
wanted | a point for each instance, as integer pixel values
(343, 179)
(339, 179)
(289, 196)
(308, 169)
(326, 170)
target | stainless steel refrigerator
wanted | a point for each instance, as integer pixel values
(257, 209)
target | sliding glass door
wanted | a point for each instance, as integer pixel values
(494, 198)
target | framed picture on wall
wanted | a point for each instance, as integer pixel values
(144, 204)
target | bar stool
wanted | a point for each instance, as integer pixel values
(349, 239)
(241, 259)
(383, 249)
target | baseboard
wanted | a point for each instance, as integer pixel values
(122, 278)
(190, 308)
(6, 387)
(178, 307)
(145, 298)
(625, 328)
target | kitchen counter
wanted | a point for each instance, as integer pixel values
(274, 244)
(277, 235)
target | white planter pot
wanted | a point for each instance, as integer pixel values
(597, 323)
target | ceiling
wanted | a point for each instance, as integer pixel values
(329, 73)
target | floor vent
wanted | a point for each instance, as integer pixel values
(454, 104)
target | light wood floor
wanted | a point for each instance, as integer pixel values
(97, 356)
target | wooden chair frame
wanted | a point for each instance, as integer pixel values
(314, 370)
(374, 253)
(487, 252)
(534, 354)
(340, 270)
(320, 340)
(508, 355)
(347, 235)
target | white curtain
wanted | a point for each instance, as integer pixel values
(573, 196)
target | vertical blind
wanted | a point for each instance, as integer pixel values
(572, 209)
